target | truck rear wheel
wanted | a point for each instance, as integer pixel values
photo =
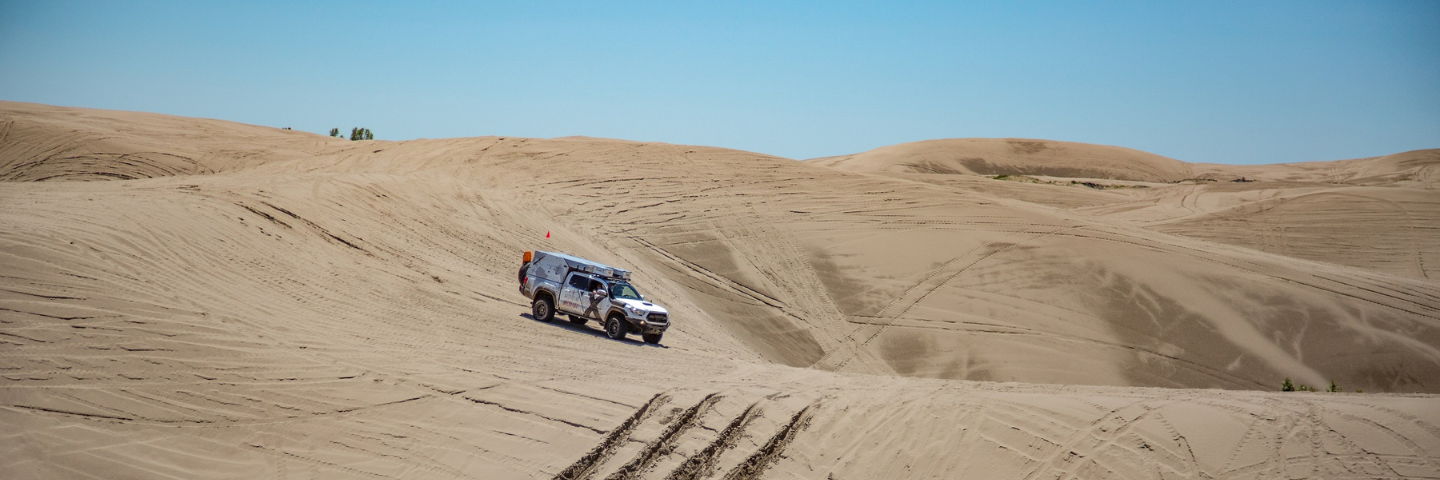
(578, 320)
(653, 338)
(542, 309)
(615, 328)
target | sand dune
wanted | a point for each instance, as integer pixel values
(293, 305)
(1013, 156)
(1378, 213)
(40, 142)
(1417, 168)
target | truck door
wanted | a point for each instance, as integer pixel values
(594, 307)
(604, 304)
(572, 291)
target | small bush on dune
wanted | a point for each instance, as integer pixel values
(359, 133)
(334, 132)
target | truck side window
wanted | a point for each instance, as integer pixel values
(579, 281)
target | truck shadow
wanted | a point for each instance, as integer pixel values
(563, 323)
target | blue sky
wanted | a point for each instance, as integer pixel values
(1221, 82)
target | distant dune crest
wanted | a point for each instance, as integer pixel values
(1016, 156)
(46, 143)
(1013, 156)
(1413, 168)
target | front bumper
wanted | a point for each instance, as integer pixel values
(649, 328)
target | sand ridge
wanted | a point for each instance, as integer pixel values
(1376, 213)
(1013, 156)
(323, 308)
(41, 142)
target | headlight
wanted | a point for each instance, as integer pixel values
(633, 310)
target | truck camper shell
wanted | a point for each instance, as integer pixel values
(553, 266)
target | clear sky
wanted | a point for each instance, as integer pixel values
(1211, 81)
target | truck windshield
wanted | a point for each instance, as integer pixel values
(623, 290)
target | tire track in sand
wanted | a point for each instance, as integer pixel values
(584, 467)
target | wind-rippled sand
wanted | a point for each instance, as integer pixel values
(189, 298)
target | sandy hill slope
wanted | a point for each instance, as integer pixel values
(41, 142)
(1013, 156)
(1380, 213)
(1377, 213)
(1419, 168)
(349, 309)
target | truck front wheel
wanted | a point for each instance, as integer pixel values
(615, 328)
(542, 309)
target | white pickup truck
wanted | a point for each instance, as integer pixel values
(586, 290)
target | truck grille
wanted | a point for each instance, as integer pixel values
(657, 318)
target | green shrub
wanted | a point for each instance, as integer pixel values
(334, 132)
(1286, 386)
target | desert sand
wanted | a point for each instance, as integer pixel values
(190, 298)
